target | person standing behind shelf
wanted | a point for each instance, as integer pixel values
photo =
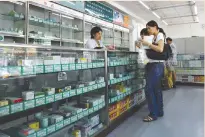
(173, 60)
(95, 41)
(154, 73)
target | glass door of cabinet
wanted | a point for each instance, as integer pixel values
(44, 26)
(12, 22)
(71, 31)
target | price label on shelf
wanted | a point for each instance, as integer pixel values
(84, 66)
(57, 68)
(40, 101)
(78, 66)
(64, 67)
(59, 125)
(39, 69)
(49, 99)
(71, 67)
(90, 65)
(58, 96)
(66, 94)
(29, 104)
(16, 107)
(79, 91)
(67, 121)
(72, 92)
(51, 129)
(4, 111)
(73, 119)
(85, 113)
(48, 68)
(41, 133)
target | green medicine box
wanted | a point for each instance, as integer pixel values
(49, 99)
(66, 94)
(39, 69)
(41, 133)
(90, 65)
(72, 92)
(48, 68)
(27, 70)
(58, 96)
(90, 88)
(84, 65)
(16, 107)
(64, 67)
(51, 129)
(4, 110)
(90, 110)
(96, 108)
(79, 91)
(73, 119)
(94, 65)
(14, 71)
(29, 104)
(57, 68)
(85, 113)
(80, 115)
(100, 106)
(78, 66)
(40, 101)
(59, 125)
(85, 89)
(95, 86)
(66, 121)
(71, 66)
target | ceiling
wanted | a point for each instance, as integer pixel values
(172, 12)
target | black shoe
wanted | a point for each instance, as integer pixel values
(174, 86)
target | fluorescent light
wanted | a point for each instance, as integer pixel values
(156, 14)
(195, 9)
(67, 17)
(165, 22)
(147, 7)
(197, 19)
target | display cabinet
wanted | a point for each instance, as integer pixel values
(68, 85)
(12, 22)
(121, 38)
(61, 91)
(190, 68)
(125, 81)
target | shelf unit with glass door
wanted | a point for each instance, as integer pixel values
(50, 27)
(12, 22)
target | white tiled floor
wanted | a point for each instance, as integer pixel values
(184, 116)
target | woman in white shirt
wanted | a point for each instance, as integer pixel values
(95, 41)
(154, 73)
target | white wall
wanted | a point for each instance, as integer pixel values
(187, 30)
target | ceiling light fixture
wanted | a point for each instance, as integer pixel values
(156, 14)
(195, 9)
(165, 22)
(147, 7)
(197, 19)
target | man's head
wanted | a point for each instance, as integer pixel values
(169, 40)
(144, 32)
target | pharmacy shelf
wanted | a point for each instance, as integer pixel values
(12, 18)
(11, 34)
(66, 122)
(120, 63)
(123, 95)
(118, 80)
(190, 82)
(46, 69)
(45, 38)
(72, 41)
(25, 105)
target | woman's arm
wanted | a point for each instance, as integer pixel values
(159, 47)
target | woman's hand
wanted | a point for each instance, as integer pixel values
(145, 43)
(138, 44)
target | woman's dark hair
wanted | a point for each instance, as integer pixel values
(94, 30)
(144, 32)
(162, 31)
(169, 39)
(152, 23)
